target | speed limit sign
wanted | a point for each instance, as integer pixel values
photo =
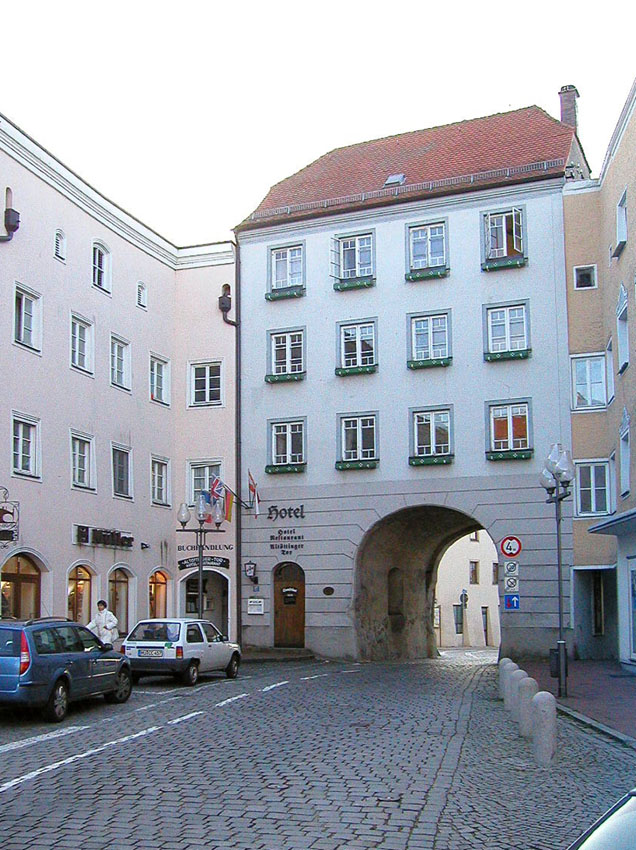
(510, 546)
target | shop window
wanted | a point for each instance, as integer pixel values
(79, 595)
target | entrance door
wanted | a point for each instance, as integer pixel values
(20, 588)
(289, 605)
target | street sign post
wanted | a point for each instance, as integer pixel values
(512, 602)
(510, 546)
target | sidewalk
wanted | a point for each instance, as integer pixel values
(600, 691)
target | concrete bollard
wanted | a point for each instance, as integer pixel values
(502, 663)
(510, 669)
(503, 672)
(527, 689)
(544, 731)
(515, 681)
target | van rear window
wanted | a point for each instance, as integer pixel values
(9, 643)
(161, 632)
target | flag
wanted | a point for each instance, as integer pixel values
(253, 492)
(229, 504)
(208, 501)
(216, 488)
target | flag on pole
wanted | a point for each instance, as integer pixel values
(216, 488)
(229, 504)
(253, 492)
(208, 501)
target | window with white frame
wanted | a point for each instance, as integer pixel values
(357, 345)
(60, 245)
(509, 427)
(159, 379)
(609, 370)
(358, 436)
(287, 267)
(159, 480)
(431, 433)
(585, 277)
(205, 384)
(101, 267)
(142, 295)
(356, 256)
(119, 362)
(592, 487)
(427, 246)
(287, 352)
(27, 318)
(622, 333)
(621, 225)
(430, 337)
(588, 382)
(81, 344)
(507, 328)
(82, 461)
(288, 442)
(503, 234)
(26, 445)
(122, 477)
(201, 476)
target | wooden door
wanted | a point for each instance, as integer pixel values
(289, 605)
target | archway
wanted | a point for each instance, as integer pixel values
(21, 586)
(215, 597)
(120, 582)
(393, 611)
(158, 594)
(289, 605)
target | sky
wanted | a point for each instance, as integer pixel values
(185, 114)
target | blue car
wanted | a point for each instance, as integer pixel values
(49, 662)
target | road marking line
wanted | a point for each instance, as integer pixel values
(317, 676)
(86, 754)
(231, 699)
(25, 742)
(146, 707)
(349, 671)
(277, 685)
(184, 717)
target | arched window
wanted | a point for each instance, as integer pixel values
(158, 594)
(395, 592)
(142, 295)
(101, 266)
(60, 245)
(79, 595)
(20, 588)
(118, 597)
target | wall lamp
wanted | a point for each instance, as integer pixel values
(249, 568)
(11, 218)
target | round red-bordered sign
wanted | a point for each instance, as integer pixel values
(510, 546)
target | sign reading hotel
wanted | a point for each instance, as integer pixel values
(286, 541)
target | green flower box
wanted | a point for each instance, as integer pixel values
(278, 469)
(284, 378)
(344, 284)
(357, 464)
(429, 364)
(504, 263)
(431, 460)
(515, 454)
(287, 292)
(494, 356)
(343, 371)
(427, 274)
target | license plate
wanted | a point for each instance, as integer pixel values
(150, 653)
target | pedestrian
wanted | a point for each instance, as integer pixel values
(105, 624)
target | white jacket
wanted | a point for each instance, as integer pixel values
(104, 625)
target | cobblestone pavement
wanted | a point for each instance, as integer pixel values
(303, 756)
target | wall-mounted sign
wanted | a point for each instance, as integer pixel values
(87, 536)
(510, 546)
(208, 561)
(255, 606)
(286, 541)
(289, 595)
(290, 512)
(213, 547)
(9, 519)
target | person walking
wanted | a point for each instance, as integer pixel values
(104, 624)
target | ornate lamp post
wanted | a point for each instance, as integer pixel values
(200, 533)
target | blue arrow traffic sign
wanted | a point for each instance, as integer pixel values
(511, 601)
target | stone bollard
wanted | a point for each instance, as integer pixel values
(503, 675)
(544, 731)
(502, 663)
(527, 689)
(516, 679)
(510, 669)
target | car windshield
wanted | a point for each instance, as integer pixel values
(161, 632)
(616, 832)
(9, 643)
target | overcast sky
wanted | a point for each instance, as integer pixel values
(186, 113)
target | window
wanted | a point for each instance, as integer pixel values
(625, 454)
(101, 267)
(82, 461)
(458, 615)
(621, 225)
(287, 267)
(78, 604)
(588, 382)
(357, 345)
(427, 246)
(81, 344)
(354, 257)
(431, 433)
(202, 474)
(142, 295)
(159, 481)
(592, 488)
(507, 329)
(26, 446)
(585, 277)
(474, 537)
(504, 238)
(122, 484)
(495, 572)
(509, 427)
(358, 435)
(60, 245)
(430, 337)
(27, 318)
(622, 333)
(119, 363)
(157, 594)
(205, 384)
(288, 442)
(609, 370)
(287, 353)
(473, 572)
(159, 379)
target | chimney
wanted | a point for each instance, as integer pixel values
(568, 95)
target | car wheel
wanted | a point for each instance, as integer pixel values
(191, 674)
(123, 687)
(231, 671)
(56, 708)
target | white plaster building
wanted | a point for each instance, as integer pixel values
(118, 400)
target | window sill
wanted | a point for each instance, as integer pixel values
(278, 469)
(343, 284)
(623, 367)
(121, 387)
(122, 496)
(160, 504)
(431, 460)
(427, 274)
(589, 409)
(285, 292)
(83, 488)
(504, 263)
(196, 404)
(519, 354)
(357, 464)
(29, 476)
(159, 401)
(343, 371)
(285, 377)
(82, 371)
(429, 364)
(514, 454)
(26, 347)
(103, 290)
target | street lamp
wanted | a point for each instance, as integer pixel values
(200, 533)
(556, 477)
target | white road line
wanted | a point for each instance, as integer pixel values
(26, 742)
(184, 717)
(277, 685)
(231, 699)
(349, 671)
(86, 754)
(146, 707)
(318, 676)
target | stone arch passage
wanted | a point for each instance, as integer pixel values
(413, 541)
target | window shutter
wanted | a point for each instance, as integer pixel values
(335, 258)
(517, 229)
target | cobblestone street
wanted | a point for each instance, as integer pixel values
(405, 756)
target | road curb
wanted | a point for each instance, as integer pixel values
(597, 725)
